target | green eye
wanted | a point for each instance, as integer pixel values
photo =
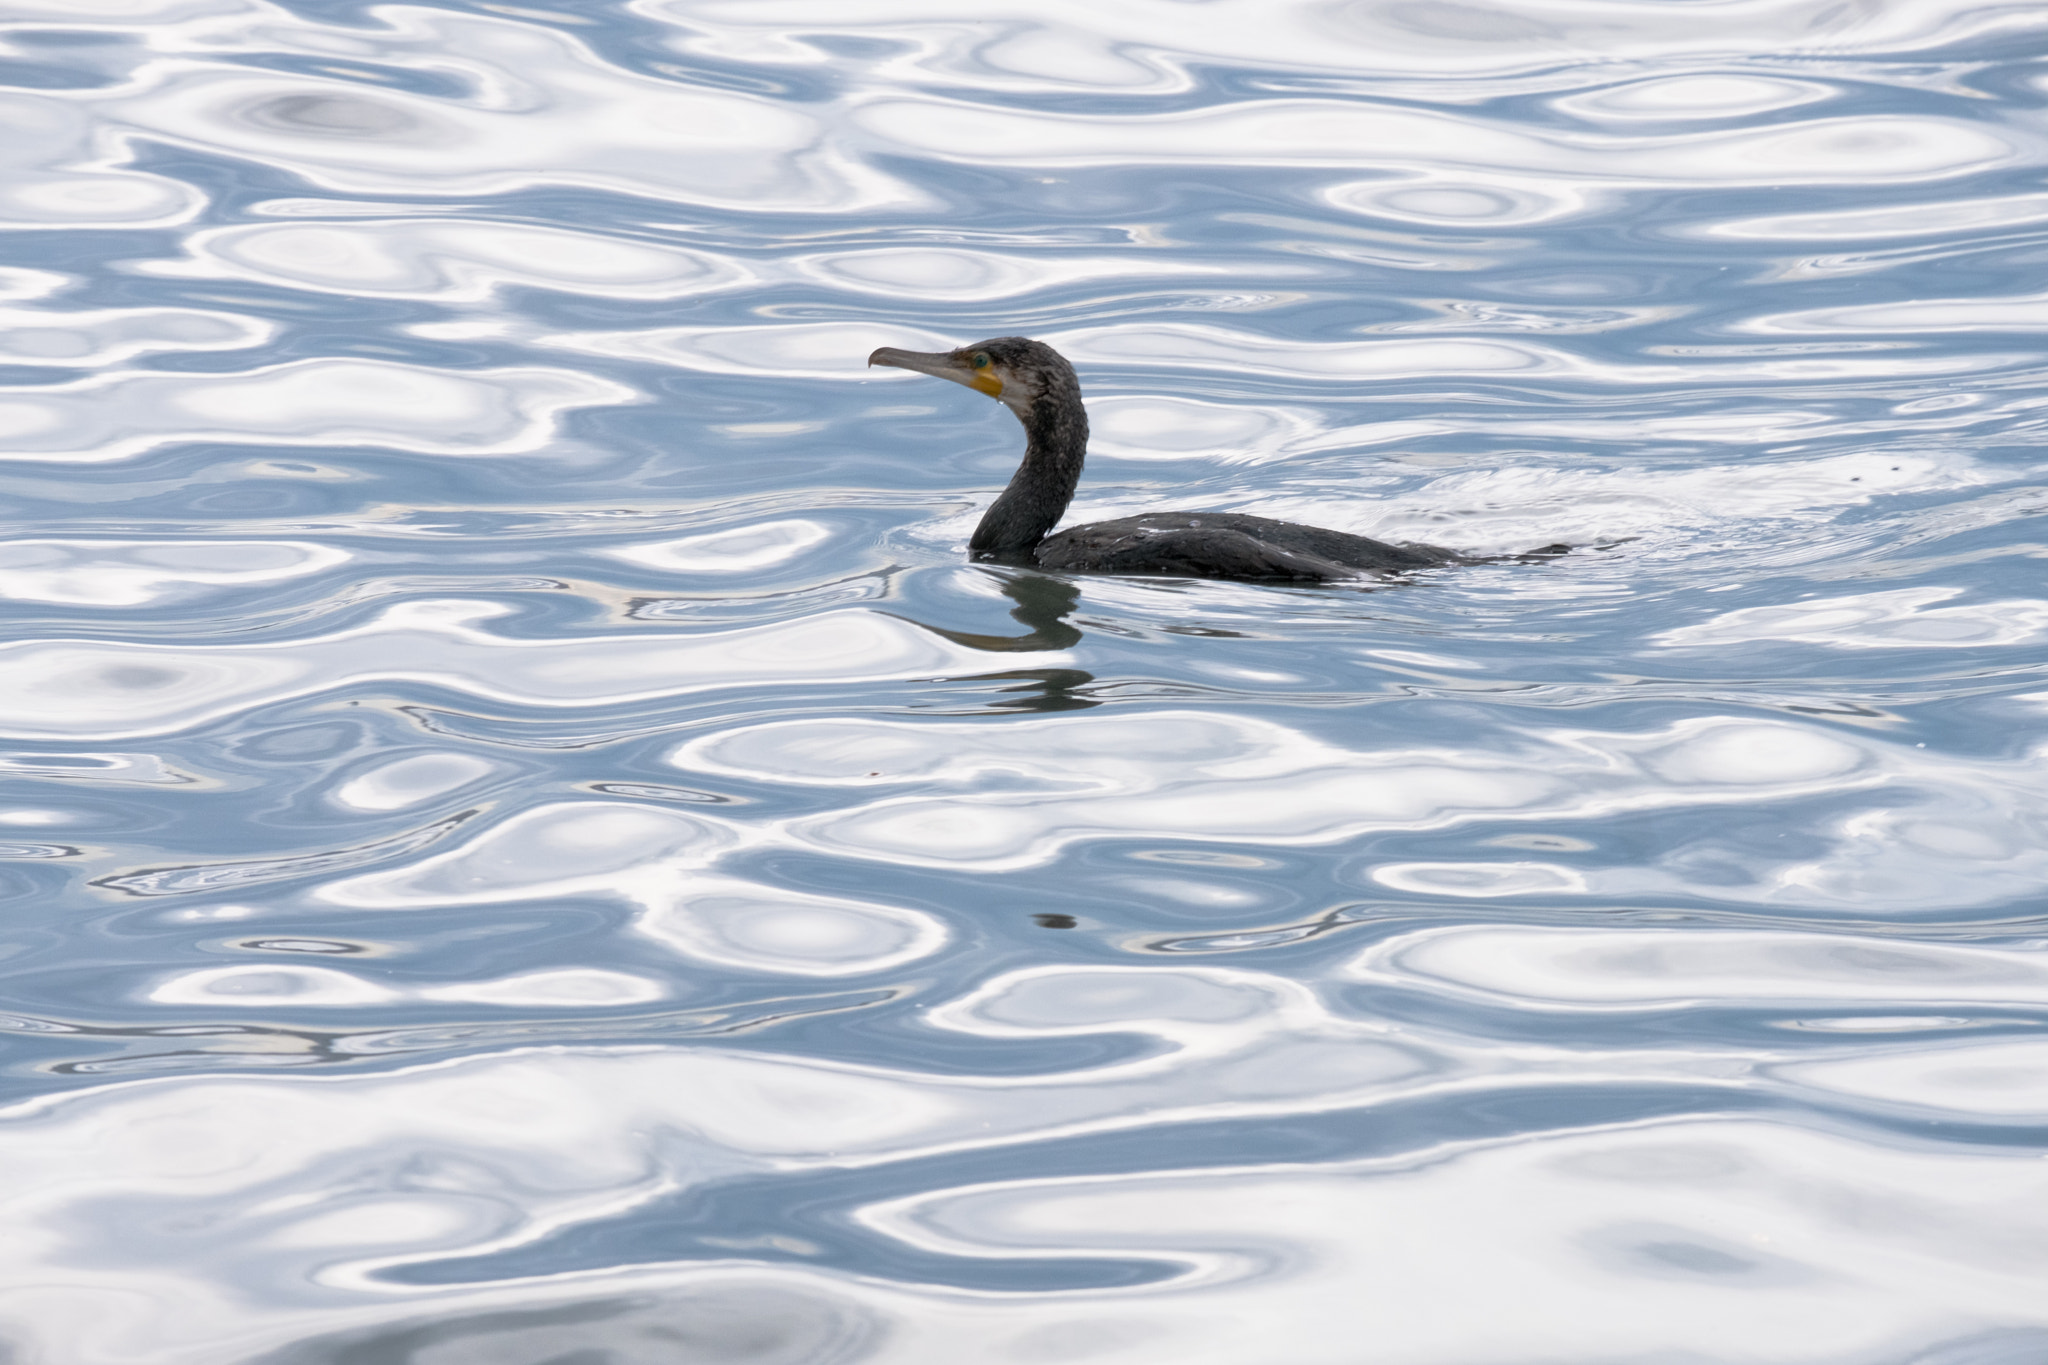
(981, 360)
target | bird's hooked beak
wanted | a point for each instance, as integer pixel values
(944, 364)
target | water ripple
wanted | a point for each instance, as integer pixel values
(525, 837)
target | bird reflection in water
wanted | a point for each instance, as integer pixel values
(1042, 607)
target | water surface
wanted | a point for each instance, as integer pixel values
(526, 840)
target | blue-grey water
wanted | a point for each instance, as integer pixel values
(525, 840)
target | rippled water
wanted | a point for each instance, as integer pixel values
(527, 842)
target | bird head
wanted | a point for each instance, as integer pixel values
(1015, 371)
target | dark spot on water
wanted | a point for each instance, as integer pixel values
(333, 116)
(1688, 1255)
(840, 45)
(300, 945)
(1055, 921)
(649, 791)
(1700, 1260)
(139, 677)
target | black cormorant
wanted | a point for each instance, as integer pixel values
(1034, 381)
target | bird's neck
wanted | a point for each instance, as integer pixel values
(1056, 443)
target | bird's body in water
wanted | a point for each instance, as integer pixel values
(1036, 382)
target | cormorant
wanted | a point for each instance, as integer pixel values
(1034, 381)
